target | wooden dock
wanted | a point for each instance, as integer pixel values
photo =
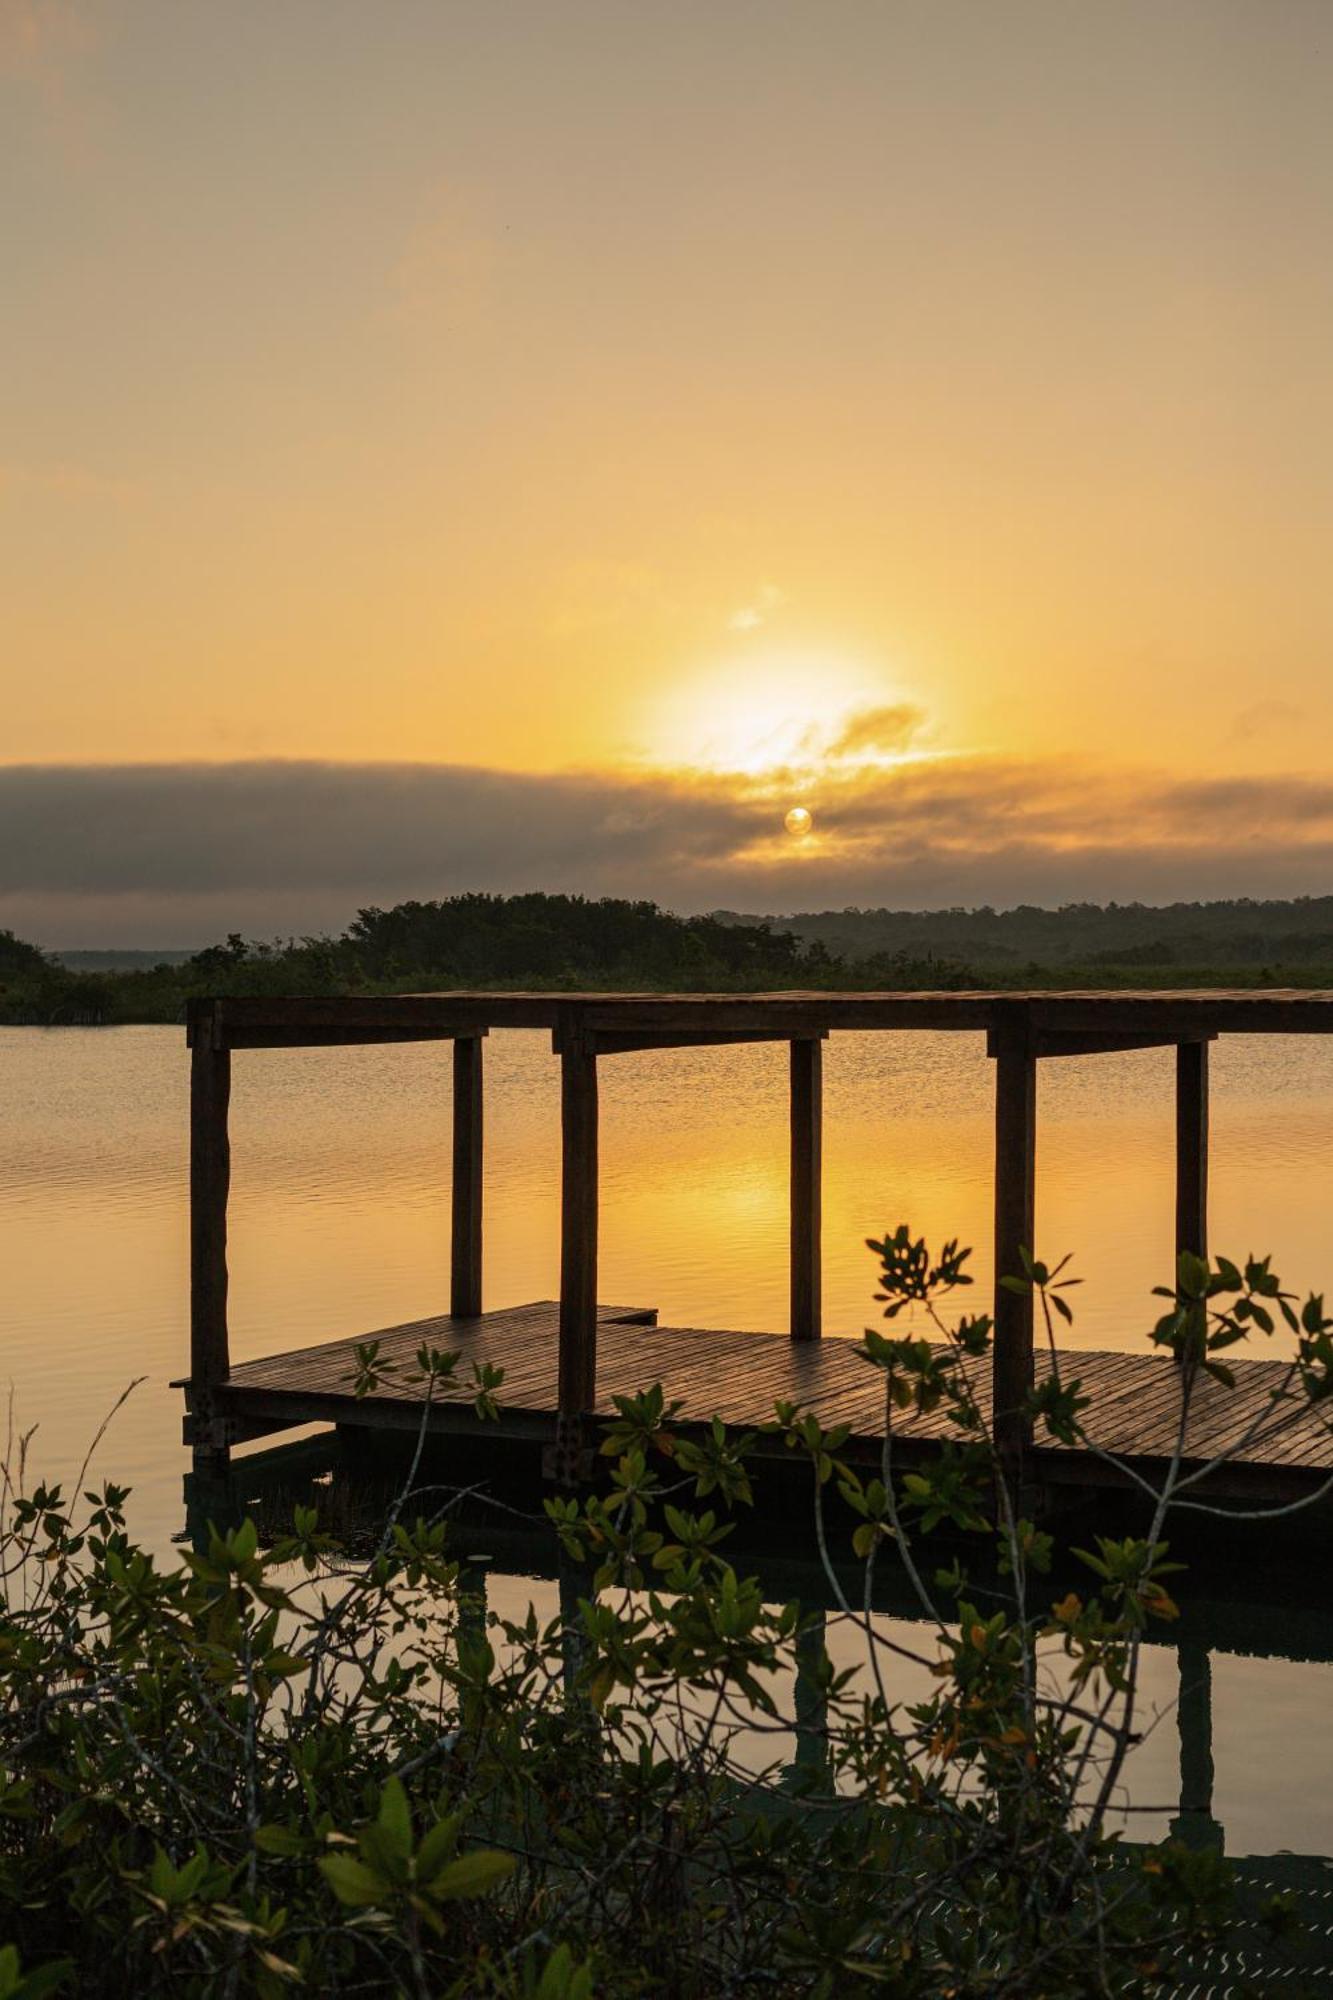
(1134, 1417)
(564, 1360)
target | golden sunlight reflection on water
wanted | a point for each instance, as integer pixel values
(340, 1224)
(339, 1218)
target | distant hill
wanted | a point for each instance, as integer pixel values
(119, 961)
(1241, 933)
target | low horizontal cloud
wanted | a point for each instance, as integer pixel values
(181, 853)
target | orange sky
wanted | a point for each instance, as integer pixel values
(554, 387)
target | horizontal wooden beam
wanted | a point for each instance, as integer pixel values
(306, 1024)
(1089, 1042)
(602, 1043)
(344, 1038)
(677, 1019)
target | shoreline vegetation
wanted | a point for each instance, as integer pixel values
(282, 1766)
(571, 943)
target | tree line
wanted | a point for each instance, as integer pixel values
(563, 942)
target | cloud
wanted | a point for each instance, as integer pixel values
(182, 853)
(880, 731)
(766, 600)
(1265, 718)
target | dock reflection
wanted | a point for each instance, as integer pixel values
(1245, 1594)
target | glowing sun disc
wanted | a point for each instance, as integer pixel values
(798, 821)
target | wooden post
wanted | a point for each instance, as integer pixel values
(1015, 1215)
(1192, 1147)
(1194, 1823)
(465, 1270)
(807, 1106)
(810, 1765)
(210, 1179)
(578, 1254)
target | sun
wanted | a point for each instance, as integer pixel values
(763, 714)
(798, 822)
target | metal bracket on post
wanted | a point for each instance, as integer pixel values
(211, 1437)
(569, 1462)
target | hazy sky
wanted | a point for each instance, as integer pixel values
(654, 415)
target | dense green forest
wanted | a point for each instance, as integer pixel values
(561, 942)
(1240, 933)
(569, 942)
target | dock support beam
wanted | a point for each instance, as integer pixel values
(1192, 1148)
(1015, 1215)
(210, 1180)
(578, 1256)
(465, 1268)
(807, 1140)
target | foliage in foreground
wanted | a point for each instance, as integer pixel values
(277, 1771)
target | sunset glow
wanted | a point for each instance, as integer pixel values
(774, 711)
(921, 405)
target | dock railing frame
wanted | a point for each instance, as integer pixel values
(1022, 1030)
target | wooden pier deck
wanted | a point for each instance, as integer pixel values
(564, 1361)
(739, 1376)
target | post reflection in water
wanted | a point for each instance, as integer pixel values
(1194, 1823)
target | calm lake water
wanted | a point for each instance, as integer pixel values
(340, 1223)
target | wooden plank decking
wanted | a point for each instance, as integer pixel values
(738, 1376)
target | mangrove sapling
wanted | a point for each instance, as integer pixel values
(287, 1768)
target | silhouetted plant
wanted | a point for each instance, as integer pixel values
(275, 1770)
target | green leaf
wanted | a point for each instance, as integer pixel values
(351, 1881)
(600, 1686)
(395, 1817)
(15, 1984)
(471, 1875)
(437, 1844)
(282, 1665)
(279, 1840)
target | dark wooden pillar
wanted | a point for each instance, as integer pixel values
(807, 1107)
(465, 1271)
(1194, 1824)
(210, 1180)
(1192, 1147)
(578, 1251)
(1015, 1217)
(810, 1765)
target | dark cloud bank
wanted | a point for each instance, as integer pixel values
(163, 854)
